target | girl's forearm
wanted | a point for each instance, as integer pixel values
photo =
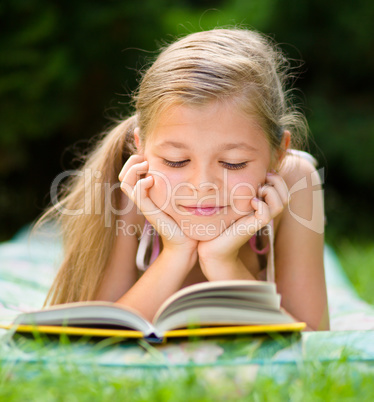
(221, 270)
(162, 279)
(322, 326)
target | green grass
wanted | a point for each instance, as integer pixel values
(69, 378)
(336, 381)
(357, 259)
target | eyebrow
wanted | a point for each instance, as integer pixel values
(224, 147)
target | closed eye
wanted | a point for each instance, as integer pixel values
(234, 166)
(176, 164)
(226, 165)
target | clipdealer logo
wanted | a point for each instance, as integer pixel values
(315, 223)
(93, 196)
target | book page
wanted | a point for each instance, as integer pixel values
(211, 316)
(228, 289)
(87, 314)
(207, 302)
(270, 300)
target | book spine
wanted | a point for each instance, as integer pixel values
(153, 338)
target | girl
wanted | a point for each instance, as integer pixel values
(205, 194)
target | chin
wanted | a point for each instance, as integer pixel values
(202, 237)
(202, 231)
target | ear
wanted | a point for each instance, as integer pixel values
(286, 140)
(285, 144)
(138, 143)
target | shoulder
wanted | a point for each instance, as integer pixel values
(299, 243)
(305, 208)
(299, 169)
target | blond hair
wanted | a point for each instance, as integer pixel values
(219, 65)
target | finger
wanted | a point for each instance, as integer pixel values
(262, 212)
(272, 200)
(132, 176)
(163, 224)
(134, 159)
(139, 195)
(280, 185)
(247, 226)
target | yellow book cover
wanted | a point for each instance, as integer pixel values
(204, 309)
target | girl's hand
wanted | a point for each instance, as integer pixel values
(136, 188)
(219, 257)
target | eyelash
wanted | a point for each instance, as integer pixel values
(177, 164)
(234, 166)
(229, 166)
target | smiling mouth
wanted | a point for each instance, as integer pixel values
(203, 211)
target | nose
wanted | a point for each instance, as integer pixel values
(205, 179)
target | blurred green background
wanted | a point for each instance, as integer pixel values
(68, 67)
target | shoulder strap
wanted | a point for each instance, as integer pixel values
(270, 268)
(148, 248)
(144, 243)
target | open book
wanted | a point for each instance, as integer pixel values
(209, 308)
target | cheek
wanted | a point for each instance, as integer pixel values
(241, 190)
(244, 184)
(165, 186)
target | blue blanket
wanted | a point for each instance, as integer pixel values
(28, 265)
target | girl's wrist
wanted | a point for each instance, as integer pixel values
(211, 260)
(225, 269)
(183, 256)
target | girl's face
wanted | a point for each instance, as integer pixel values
(208, 163)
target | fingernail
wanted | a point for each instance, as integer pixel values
(256, 199)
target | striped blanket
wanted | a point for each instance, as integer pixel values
(28, 265)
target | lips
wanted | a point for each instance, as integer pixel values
(203, 210)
